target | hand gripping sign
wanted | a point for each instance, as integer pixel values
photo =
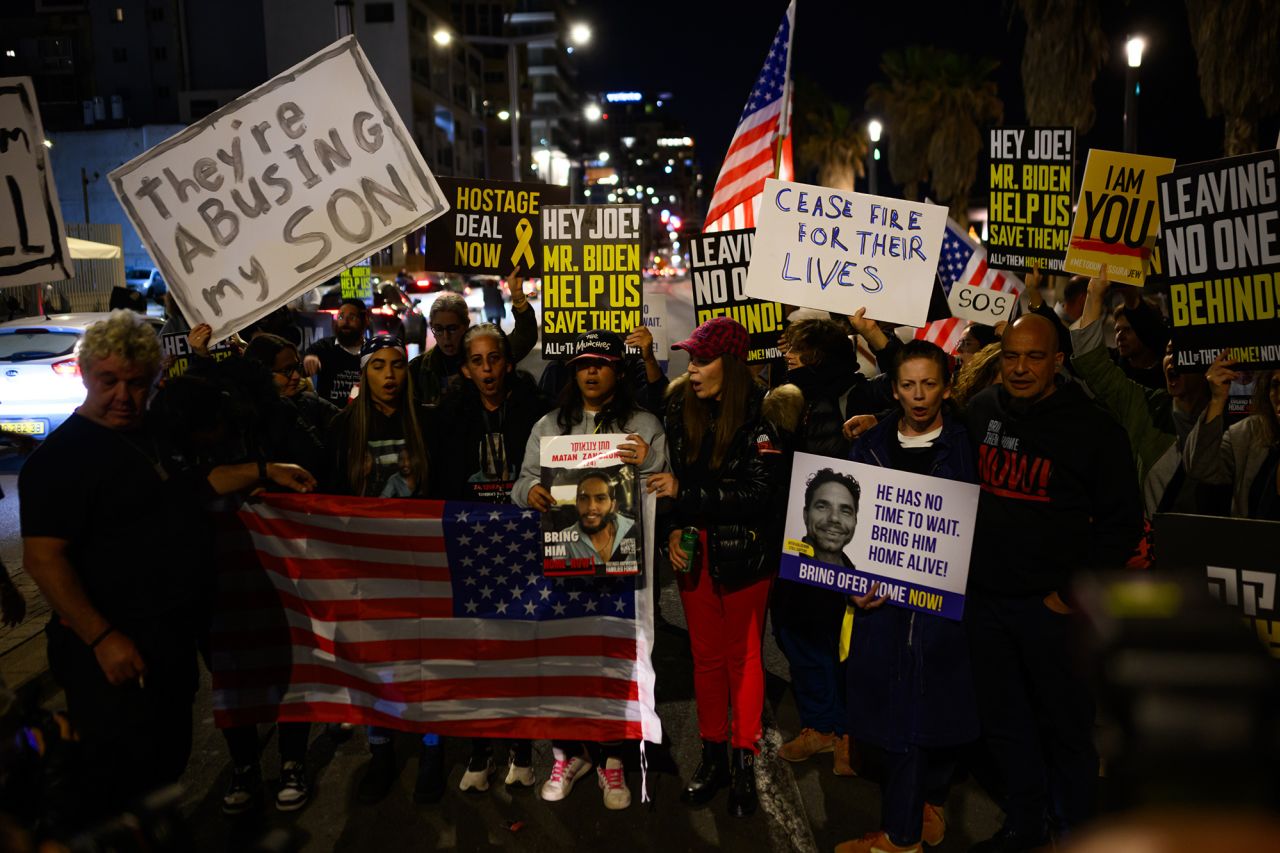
(279, 190)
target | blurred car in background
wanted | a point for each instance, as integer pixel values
(40, 382)
(146, 281)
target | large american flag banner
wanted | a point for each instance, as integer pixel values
(426, 616)
(962, 259)
(754, 154)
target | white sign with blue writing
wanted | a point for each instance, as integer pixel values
(857, 529)
(840, 251)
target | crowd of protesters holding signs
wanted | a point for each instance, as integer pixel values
(868, 676)
(914, 534)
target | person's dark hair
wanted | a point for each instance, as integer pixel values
(735, 393)
(602, 477)
(612, 416)
(1147, 324)
(357, 303)
(983, 334)
(823, 476)
(922, 349)
(265, 347)
(1076, 287)
(817, 340)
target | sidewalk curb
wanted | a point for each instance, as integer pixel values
(780, 794)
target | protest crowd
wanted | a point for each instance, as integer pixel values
(714, 446)
(414, 531)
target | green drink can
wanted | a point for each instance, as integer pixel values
(689, 545)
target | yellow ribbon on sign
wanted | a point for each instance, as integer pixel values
(846, 631)
(524, 233)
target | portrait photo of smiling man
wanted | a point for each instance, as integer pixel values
(831, 515)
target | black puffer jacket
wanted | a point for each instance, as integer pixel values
(738, 505)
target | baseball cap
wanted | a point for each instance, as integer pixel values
(714, 338)
(379, 342)
(598, 344)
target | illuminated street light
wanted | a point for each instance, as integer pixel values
(503, 115)
(1133, 49)
(592, 112)
(874, 129)
(442, 37)
(580, 34)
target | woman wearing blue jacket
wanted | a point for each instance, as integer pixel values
(910, 688)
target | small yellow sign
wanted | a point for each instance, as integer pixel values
(1117, 216)
(796, 546)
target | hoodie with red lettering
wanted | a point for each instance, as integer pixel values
(1059, 491)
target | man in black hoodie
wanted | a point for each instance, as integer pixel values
(1059, 494)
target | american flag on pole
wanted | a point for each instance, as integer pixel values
(425, 616)
(963, 260)
(761, 146)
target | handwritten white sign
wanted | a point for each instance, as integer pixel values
(839, 251)
(33, 246)
(279, 190)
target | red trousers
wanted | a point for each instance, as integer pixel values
(726, 629)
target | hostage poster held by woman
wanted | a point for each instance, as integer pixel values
(594, 527)
(279, 190)
(857, 528)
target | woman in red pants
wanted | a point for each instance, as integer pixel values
(727, 466)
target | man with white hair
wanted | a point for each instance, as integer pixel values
(116, 539)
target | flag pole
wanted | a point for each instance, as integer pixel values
(784, 116)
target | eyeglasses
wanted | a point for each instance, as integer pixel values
(450, 329)
(296, 367)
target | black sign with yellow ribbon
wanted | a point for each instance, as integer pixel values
(491, 227)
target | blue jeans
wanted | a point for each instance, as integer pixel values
(817, 676)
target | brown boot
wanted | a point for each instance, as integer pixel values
(847, 759)
(875, 842)
(807, 744)
(935, 825)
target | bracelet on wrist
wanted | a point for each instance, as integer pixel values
(102, 636)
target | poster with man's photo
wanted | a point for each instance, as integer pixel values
(857, 528)
(594, 527)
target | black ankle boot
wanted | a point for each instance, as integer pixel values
(380, 776)
(742, 783)
(712, 774)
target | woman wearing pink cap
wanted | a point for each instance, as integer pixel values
(726, 462)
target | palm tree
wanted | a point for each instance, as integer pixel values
(1239, 61)
(829, 146)
(937, 105)
(1064, 49)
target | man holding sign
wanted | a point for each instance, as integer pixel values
(1059, 494)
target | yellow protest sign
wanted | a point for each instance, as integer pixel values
(1117, 216)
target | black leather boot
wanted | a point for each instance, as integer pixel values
(712, 774)
(380, 775)
(742, 783)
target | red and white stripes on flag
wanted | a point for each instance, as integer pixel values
(945, 333)
(761, 145)
(356, 610)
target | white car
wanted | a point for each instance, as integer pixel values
(40, 382)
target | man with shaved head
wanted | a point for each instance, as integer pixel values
(1059, 495)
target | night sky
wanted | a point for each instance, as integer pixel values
(707, 54)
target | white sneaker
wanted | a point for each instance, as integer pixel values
(476, 780)
(517, 775)
(564, 772)
(614, 784)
